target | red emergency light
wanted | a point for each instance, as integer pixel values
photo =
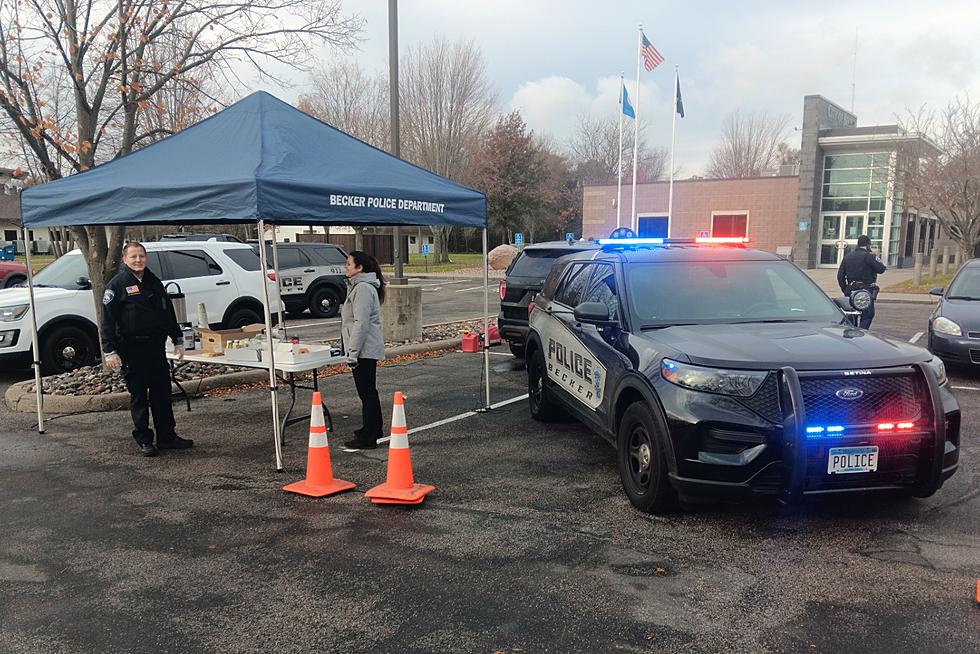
(722, 239)
(891, 426)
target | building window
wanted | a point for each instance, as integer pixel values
(10, 234)
(411, 239)
(730, 224)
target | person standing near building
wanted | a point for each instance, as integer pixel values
(137, 318)
(363, 344)
(860, 269)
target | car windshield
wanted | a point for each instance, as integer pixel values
(966, 285)
(708, 292)
(63, 272)
(536, 263)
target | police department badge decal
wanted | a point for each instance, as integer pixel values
(107, 296)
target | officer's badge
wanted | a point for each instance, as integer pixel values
(133, 290)
(107, 296)
(597, 383)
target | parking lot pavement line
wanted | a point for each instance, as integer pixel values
(446, 421)
(965, 388)
(503, 354)
(915, 338)
(311, 324)
(474, 288)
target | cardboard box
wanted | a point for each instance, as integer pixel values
(214, 340)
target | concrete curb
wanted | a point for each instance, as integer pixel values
(19, 398)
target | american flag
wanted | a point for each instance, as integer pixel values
(651, 57)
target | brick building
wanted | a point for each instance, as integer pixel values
(846, 185)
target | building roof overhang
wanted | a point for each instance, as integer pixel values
(893, 141)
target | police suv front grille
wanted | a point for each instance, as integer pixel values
(765, 402)
(883, 398)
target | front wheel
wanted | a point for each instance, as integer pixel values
(543, 408)
(242, 317)
(324, 302)
(66, 348)
(642, 461)
(14, 280)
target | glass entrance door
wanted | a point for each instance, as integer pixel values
(838, 236)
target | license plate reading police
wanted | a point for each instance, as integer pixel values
(846, 460)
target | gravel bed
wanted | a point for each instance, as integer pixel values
(94, 380)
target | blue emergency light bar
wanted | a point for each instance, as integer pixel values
(706, 240)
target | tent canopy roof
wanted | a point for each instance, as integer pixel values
(260, 158)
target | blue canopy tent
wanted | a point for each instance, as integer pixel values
(260, 160)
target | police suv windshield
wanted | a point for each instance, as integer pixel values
(711, 292)
(63, 272)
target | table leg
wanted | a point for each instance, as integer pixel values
(183, 391)
(291, 381)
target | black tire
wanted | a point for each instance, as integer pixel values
(543, 408)
(517, 349)
(642, 461)
(324, 302)
(243, 316)
(67, 348)
(13, 280)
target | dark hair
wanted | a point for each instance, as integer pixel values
(370, 265)
(864, 241)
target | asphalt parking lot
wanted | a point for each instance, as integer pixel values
(528, 544)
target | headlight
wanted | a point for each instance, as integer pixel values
(742, 383)
(946, 326)
(938, 369)
(9, 314)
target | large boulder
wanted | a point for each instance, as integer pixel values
(501, 256)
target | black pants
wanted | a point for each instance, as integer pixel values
(366, 381)
(869, 314)
(147, 376)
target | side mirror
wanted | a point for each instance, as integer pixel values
(937, 291)
(592, 312)
(83, 283)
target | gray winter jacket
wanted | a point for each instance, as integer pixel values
(361, 318)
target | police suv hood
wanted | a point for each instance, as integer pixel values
(10, 297)
(802, 345)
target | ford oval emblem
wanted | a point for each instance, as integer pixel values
(849, 393)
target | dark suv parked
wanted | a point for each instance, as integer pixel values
(524, 278)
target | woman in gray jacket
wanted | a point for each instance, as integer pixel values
(361, 332)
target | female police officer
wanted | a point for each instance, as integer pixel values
(137, 317)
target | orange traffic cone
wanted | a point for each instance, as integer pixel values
(400, 488)
(319, 480)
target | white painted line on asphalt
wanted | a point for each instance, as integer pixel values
(502, 354)
(440, 423)
(915, 338)
(966, 388)
(475, 288)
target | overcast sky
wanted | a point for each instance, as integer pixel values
(554, 60)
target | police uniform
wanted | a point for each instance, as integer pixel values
(860, 266)
(137, 318)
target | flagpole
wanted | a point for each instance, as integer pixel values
(673, 134)
(619, 170)
(636, 128)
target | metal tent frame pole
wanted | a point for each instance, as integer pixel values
(271, 353)
(38, 391)
(281, 327)
(486, 319)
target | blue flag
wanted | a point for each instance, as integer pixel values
(627, 107)
(679, 103)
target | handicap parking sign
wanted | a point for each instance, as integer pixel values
(518, 238)
(703, 234)
(569, 236)
(425, 249)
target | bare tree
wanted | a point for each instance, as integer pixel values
(943, 177)
(346, 97)
(446, 104)
(594, 150)
(749, 145)
(77, 80)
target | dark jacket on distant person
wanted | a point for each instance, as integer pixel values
(859, 265)
(135, 311)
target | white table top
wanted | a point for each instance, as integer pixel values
(310, 362)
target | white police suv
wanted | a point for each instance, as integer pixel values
(225, 276)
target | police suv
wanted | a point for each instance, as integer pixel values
(311, 275)
(719, 371)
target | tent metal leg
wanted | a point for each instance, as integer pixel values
(486, 319)
(273, 384)
(275, 266)
(38, 390)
